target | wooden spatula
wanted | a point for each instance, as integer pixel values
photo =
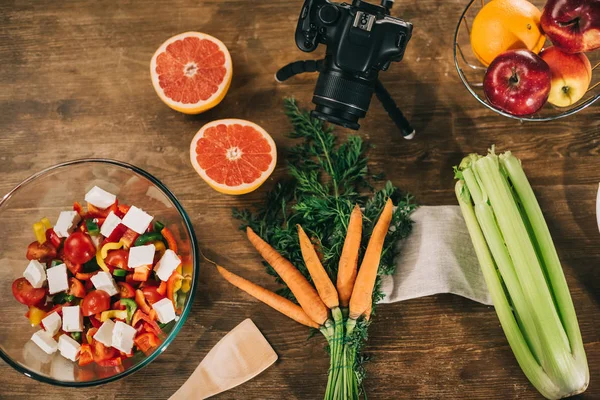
(241, 355)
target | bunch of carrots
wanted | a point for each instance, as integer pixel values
(333, 309)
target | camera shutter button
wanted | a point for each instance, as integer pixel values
(328, 14)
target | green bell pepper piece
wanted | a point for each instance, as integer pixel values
(131, 307)
(92, 227)
(148, 238)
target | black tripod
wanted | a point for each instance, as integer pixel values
(299, 67)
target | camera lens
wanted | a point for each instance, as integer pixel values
(341, 98)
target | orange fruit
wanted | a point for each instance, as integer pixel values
(503, 25)
(191, 72)
(233, 156)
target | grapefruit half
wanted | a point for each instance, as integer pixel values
(233, 156)
(191, 72)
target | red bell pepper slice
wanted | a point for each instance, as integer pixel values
(95, 212)
(115, 235)
(86, 356)
(95, 322)
(77, 207)
(85, 276)
(146, 342)
(162, 288)
(112, 362)
(122, 210)
(153, 327)
(57, 308)
(53, 238)
(128, 238)
(141, 274)
(140, 299)
(171, 242)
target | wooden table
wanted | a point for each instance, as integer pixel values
(75, 83)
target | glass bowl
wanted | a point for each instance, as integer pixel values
(47, 193)
(471, 71)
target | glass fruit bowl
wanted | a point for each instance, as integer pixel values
(471, 71)
(47, 193)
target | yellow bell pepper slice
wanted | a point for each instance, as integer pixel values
(110, 246)
(100, 261)
(35, 315)
(46, 222)
(187, 284)
(119, 314)
(160, 248)
(40, 232)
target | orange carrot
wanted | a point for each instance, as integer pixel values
(318, 274)
(306, 295)
(369, 310)
(271, 299)
(349, 259)
(367, 274)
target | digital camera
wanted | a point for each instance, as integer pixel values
(362, 39)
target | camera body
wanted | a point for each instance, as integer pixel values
(362, 39)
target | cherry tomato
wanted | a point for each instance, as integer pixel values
(101, 352)
(76, 288)
(41, 252)
(27, 294)
(95, 302)
(126, 290)
(117, 258)
(151, 294)
(79, 248)
(74, 268)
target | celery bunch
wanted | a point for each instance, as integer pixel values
(523, 273)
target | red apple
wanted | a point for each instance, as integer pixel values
(518, 82)
(571, 76)
(572, 25)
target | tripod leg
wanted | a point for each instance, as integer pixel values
(393, 111)
(297, 67)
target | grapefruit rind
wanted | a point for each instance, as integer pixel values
(245, 187)
(202, 105)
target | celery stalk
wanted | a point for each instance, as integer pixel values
(523, 273)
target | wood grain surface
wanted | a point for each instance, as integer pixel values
(74, 78)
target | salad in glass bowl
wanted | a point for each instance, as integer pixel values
(107, 286)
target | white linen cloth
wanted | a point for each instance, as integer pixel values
(437, 257)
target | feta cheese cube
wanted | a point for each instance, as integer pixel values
(109, 224)
(100, 198)
(68, 347)
(164, 310)
(67, 220)
(122, 337)
(104, 281)
(72, 320)
(35, 273)
(141, 255)
(45, 341)
(137, 220)
(52, 323)
(97, 240)
(58, 280)
(105, 332)
(167, 264)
